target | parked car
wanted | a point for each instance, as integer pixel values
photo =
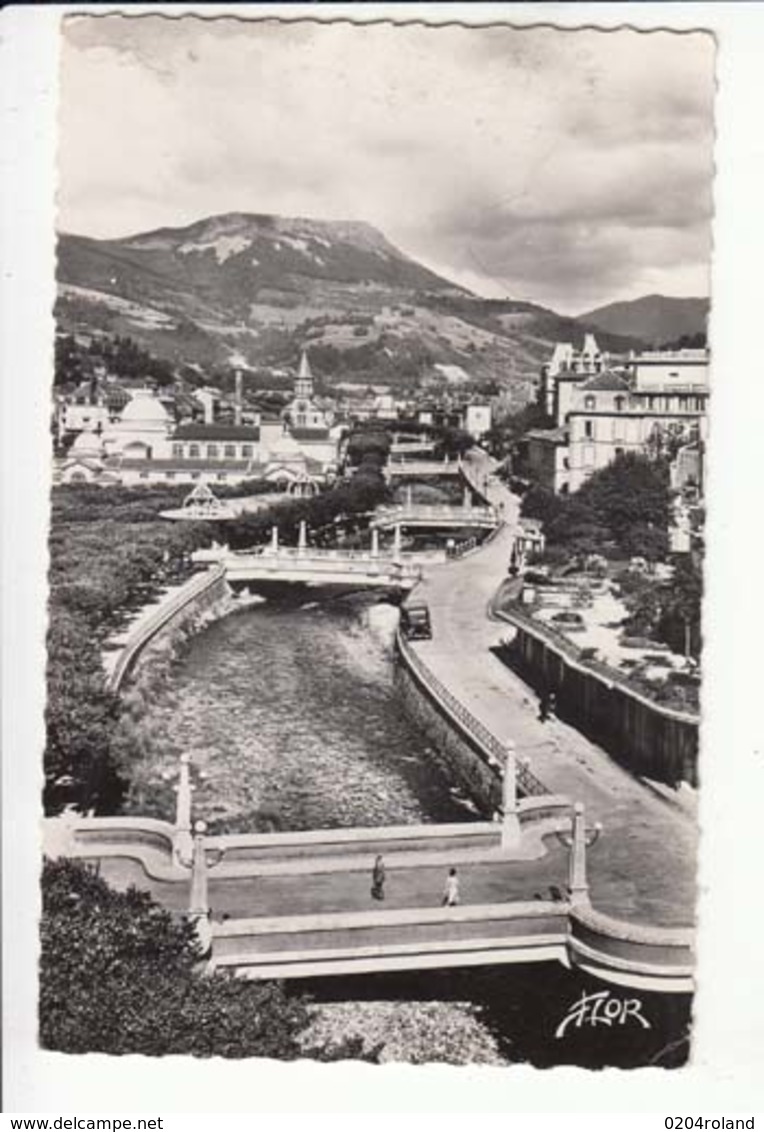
(538, 576)
(567, 619)
(415, 621)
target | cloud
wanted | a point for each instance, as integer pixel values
(567, 167)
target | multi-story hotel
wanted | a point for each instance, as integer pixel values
(650, 402)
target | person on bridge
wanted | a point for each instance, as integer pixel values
(451, 891)
(378, 879)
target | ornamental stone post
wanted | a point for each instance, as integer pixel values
(199, 910)
(302, 537)
(397, 544)
(581, 839)
(182, 840)
(510, 824)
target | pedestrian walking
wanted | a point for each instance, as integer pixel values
(451, 891)
(378, 879)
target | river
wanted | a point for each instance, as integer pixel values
(289, 708)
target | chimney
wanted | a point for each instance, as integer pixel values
(237, 399)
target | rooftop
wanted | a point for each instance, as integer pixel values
(549, 435)
(310, 433)
(201, 431)
(606, 381)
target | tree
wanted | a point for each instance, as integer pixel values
(120, 975)
(453, 442)
(632, 492)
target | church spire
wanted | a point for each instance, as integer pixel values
(304, 385)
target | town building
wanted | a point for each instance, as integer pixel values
(143, 444)
(654, 402)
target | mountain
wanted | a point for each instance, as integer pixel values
(654, 319)
(249, 289)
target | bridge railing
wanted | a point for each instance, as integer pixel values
(148, 628)
(437, 511)
(494, 749)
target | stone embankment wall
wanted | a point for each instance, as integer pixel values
(471, 756)
(190, 603)
(645, 737)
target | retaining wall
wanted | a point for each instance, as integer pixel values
(645, 737)
(468, 751)
(197, 595)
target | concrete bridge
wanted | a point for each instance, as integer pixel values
(309, 565)
(422, 469)
(435, 516)
(294, 905)
(407, 447)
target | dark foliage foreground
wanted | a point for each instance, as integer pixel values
(120, 975)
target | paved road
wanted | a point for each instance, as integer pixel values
(418, 887)
(644, 865)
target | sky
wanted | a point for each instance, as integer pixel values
(567, 168)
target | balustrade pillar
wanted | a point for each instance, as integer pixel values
(409, 498)
(397, 544)
(374, 542)
(199, 909)
(274, 539)
(510, 825)
(182, 841)
(467, 499)
(577, 882)
(302, 537)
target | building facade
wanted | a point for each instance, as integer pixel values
(654, 403)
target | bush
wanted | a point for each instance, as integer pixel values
(120, 975)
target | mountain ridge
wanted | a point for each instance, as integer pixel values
(654, 318)
(250, 289)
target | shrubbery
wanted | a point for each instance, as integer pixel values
(109, 553)
(621, 511)
(119, 975)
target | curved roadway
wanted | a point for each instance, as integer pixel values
(644, 865)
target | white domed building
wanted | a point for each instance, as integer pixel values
(143, 430)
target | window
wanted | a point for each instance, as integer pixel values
(618, 453)
(144, 475)
(222, 475)
(193, 451)
(590, 402)
(246, 451)
(230, 451)
(170, 475)
(300, 419)
(566, 463)
(588, 430)
(619, 403)
(212, 451)
(195, 475)
(177, 451)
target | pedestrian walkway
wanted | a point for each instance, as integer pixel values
(349, 889)
(643, 867)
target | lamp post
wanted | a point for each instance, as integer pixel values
(182, 841)
(510, 822)
(199, 909)
(578, 840)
